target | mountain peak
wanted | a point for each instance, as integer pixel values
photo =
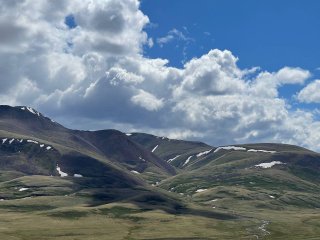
(16, 110)
(26, 118)
(7, 108)
(29, 109)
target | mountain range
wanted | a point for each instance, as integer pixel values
(108, 184)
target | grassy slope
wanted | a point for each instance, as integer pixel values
(112, 203)
(35, 219)
(63, 207)
(285, 196)
(176, 150)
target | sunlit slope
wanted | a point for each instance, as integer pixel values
(272, 176)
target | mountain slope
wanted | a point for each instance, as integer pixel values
(117, 147)
(273, 176)
(109, 146)
(104, 165)
(149, 187)
(175, 152)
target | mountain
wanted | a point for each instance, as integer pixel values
(32, 144)
(271, 176)
(175, 152)
(112, 185)
(283, 175)
(107, 146)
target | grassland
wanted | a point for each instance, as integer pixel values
(63, 212)
(124, 221)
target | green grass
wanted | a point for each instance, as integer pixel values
(126, 222)
(239, 213)
(109, 202)
(69, 214)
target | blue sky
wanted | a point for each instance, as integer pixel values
(180, 68)
(269, 34)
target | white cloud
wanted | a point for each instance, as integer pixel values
(96, 73)
(215, 73)
(147, 101)
(119, 75)
(165, 40)
(172, 35)
(289, 75)
(150, 42)
(311, 93)
(266, 84)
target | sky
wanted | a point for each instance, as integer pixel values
(218, 71)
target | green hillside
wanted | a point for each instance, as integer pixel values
(58, 183)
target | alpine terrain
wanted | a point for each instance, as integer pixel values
(58, 183)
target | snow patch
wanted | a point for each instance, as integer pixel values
(230, 148)
(62, 174)
(172, 159)
(155, 148)
(23, 189)
(271, 196)
(11, 141)
(41, 145)
(187, 161)
(77, 175)
(155, 184)
(201, 190)
(128, 134)
(142, 159)
(4, 140)
(33, 111)
(204, 153)
(263, 151)
(268, 165)
(135, 172)
(48, 148)
(32, 141)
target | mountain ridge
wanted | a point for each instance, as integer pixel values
(157, 178)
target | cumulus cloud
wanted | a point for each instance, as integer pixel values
(310, 93)
(266, 84)
(147, 101)
(289, 75)
(94, 75)
(215, 73)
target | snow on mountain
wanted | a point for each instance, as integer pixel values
(154, 148)
(204, 153)
(268, 165)
(230, 148)
(187, 161)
